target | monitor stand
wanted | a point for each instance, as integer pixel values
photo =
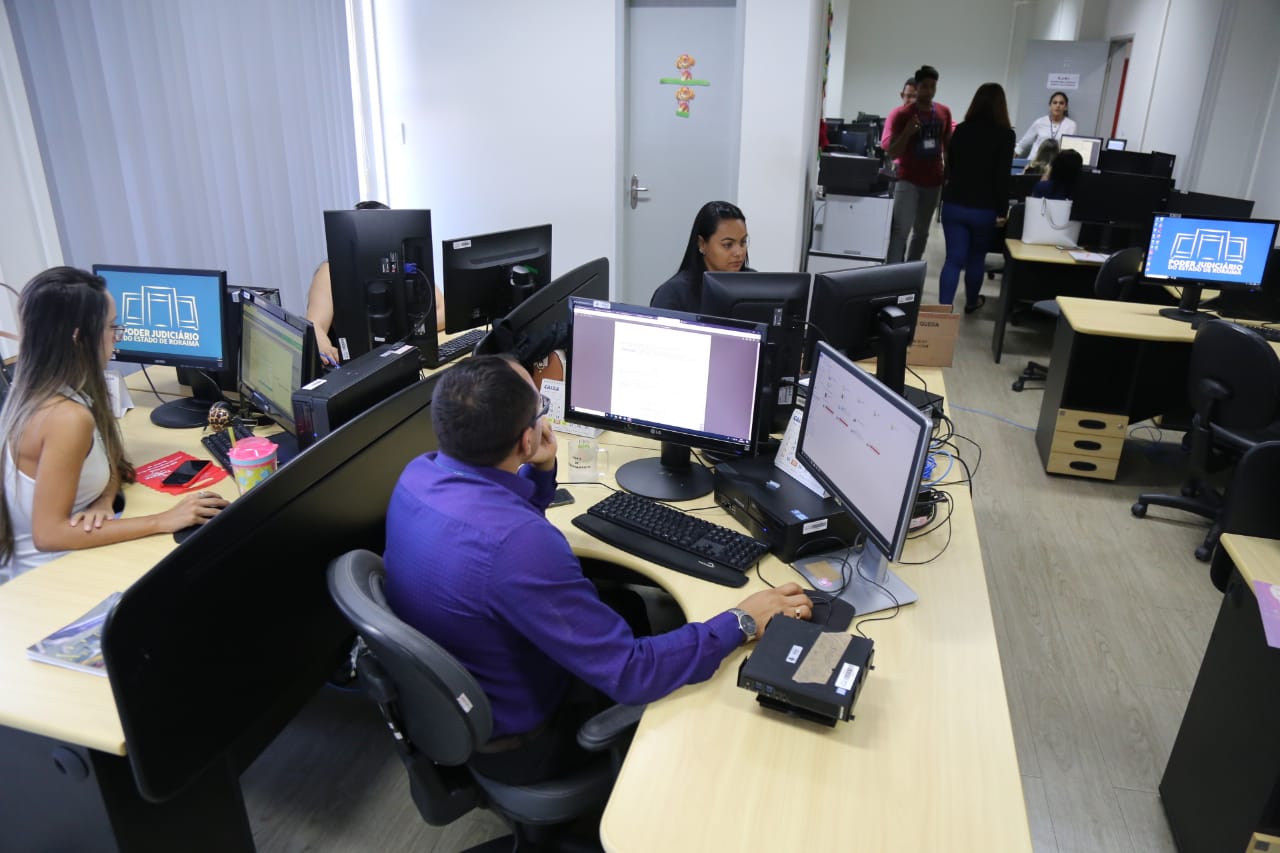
(1187, 312)
(673, 476)
(864, 566)
(190, 412)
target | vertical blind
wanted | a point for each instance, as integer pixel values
(184, 133)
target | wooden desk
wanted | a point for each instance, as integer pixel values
(56, 723)
(1113, 364)
(1222, 782)
(1033, 272)
(929, 758)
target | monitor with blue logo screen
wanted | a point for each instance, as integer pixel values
(1195, 252)
(172, 317)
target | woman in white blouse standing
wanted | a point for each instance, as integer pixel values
(1053, 126)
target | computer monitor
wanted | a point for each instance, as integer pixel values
(1118, 201)
(1193, 252)
(866, 445)
(870, 311)
(779, 300)
(1114, 144)
(277, 357)
(849, 174)
(1088, 147)
(382, 278)
(541, 322)
(487, 275)
(1152, 163)
(688, 380)
(178, 318)
(212, 652)
(1203, 204)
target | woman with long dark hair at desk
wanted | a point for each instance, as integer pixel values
(62, 455)
(717, 242)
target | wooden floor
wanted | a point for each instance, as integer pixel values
(1102, 620)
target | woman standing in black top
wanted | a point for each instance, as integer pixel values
(976, 192)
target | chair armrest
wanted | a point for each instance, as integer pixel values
(601, 731)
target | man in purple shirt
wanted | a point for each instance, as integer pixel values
(473, 563)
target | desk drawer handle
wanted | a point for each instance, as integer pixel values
(1086, 444)
(1082, 466)
(1091, 423)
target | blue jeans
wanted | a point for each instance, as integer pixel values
(968, 232)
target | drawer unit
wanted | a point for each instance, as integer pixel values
(1096, 423)
(1087, 444)
(1097, 467)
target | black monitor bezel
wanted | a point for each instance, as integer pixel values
(1126, 188)
(531, 325)
(665, 432)
(891, 546)
(486, 296)
(1097, 150)
(352, 236)
(826, 301)
(194, 363)
(309, 369)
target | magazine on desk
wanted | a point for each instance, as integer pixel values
(78, 645)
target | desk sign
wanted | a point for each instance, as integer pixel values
(554, 389)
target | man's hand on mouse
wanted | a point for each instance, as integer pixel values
(787, 600)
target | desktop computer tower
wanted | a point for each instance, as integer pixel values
(322, 406)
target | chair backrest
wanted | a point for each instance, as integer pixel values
(1236, 371)
(1118, 275)
(440, 705)
(1250, 503)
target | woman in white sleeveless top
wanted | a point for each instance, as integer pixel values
(61, 455)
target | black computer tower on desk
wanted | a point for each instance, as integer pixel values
(322, 406)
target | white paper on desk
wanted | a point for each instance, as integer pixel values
(787, 462)
(1088, 257)
(554, 389)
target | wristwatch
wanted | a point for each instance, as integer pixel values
(746, 623)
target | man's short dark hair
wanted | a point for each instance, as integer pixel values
(911, 81)
(926, 72)
(371, 205)
(480, 408)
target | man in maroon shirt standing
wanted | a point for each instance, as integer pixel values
(918, 135)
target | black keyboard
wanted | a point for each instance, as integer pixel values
(671, 538)
(219, 444)
(459, 346)
(1270, 333)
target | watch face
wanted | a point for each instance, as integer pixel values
(747, 624)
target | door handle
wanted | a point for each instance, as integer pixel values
(636, 189)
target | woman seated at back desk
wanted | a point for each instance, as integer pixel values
(63, 458)
(1060, 180)
(717, 243)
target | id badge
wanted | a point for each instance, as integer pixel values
(929, 144)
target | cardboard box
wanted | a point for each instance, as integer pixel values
(934, 344)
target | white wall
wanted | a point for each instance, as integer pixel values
(501, 126)
(835, 72)
(28, 233)
(1237, 107)
(780, 92)
(502, 115)
(968, 42)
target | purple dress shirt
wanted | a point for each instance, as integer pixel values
(473, 564)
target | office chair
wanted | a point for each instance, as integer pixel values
(1116, 279)
(1234, 385)
(420, 688)
(1249, 504)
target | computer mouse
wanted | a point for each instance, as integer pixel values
(180, 536)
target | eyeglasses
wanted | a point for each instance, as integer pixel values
(117, 333)
(543, 407)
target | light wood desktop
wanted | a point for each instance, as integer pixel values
(1034, 271)
(1113, 364)
(929, 755)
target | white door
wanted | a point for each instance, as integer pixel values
(682, 151)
